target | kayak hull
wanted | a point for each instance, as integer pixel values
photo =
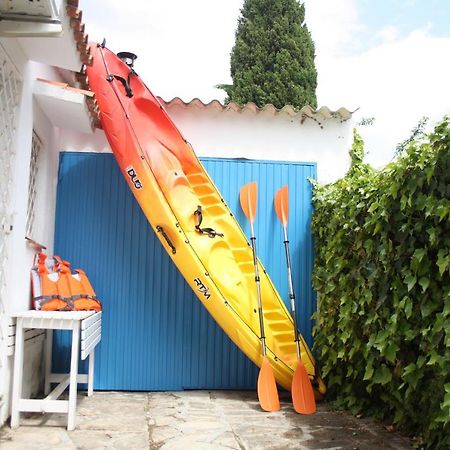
(170, 184)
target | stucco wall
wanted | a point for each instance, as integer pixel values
(264, 135)
(20, 254)
(261, 135)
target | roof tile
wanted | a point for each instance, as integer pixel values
(318, 115)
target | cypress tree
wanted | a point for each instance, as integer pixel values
(272, 60)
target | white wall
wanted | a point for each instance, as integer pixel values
(80, 142)
(47, 179)
(20, 254)
(264, 135)
(261, 135)
(30, 117)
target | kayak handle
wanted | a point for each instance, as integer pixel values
(160, 229)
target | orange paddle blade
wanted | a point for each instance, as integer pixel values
(302, 391)
(282, 204)
(267, 388)
(248, 197)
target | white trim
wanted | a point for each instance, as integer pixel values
(36, 150)
(90, 349)
(87, 340)
(31, 405)
(89, 331)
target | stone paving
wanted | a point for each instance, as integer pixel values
(195, 420)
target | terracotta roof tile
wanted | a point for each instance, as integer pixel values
(78, 28)
(318, 115)
(83, 47)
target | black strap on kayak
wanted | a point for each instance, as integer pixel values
(110, 77)
(125, 82)
(199, 218)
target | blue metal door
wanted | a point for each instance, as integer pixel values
(156, 334)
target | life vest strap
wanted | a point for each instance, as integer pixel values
(47, 298)
(44, 299)
(90, 297)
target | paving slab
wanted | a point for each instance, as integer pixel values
(196, 420)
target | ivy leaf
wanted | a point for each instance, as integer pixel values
(419, 254)
(410, 280)
(446, 402)
(368, 373)
(424, 282)
(391, 351)
(403, 202)
(406, 305)
(433, 233)
(411, 375)
(443, 261)
(427, 307)
(382, 375)
(420, 361)
(378, 228)
(368, 245)
(446, 311)
(421, 202)
(434, 358)
(442, 211)
(373, 207)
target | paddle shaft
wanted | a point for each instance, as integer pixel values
(258, 290)
(291, 289)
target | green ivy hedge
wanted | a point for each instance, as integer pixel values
(382, 273)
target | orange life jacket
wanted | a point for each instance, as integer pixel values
(56, 288)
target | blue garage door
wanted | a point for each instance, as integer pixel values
(156, 334)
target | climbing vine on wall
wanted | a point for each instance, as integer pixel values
(382, 274)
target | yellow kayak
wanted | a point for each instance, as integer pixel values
(191, 219)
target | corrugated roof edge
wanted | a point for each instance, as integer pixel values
(318, 115)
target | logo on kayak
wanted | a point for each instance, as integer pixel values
(133, 177)
(202, 288)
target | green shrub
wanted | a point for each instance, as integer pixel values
(382, 274)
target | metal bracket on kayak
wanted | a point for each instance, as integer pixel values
(128, 58)
(160, 229)
(209, 231)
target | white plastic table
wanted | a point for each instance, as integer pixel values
(86, 333)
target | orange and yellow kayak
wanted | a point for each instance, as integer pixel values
(190, 217)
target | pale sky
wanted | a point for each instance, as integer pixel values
(390, 59)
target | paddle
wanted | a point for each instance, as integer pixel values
(267, 387)
(301, 388)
